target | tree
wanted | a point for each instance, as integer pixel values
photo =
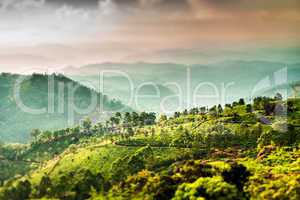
(249, 108)
(269, 108)
(182, 138)
(127, 118)
(150, 118)
(234, 104)
(118, 115)
(236, 117)
(35, 133)
(207, 188)
(194, 111)
(114, 121)
(260, 102)
(213, 110)
(237, 175)
(203, 110)
(87, 180)
(135, 118)
(278, 97)
(99, 128)
(137, 161)
(241, 102)
(185, 112)
(76, 130)
(47, 135)
(220, 109)
(44, 187)
(87, 124)
(118, 118)
(176, 114)
(291, 106)
(56, 134)
(163, 118)
(23, 189)
(129, 131)
(228, 105)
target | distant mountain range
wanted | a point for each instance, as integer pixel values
(242, 78)
(64, 102)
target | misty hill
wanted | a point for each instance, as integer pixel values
(139, 95)
(47, 102)
(244, 77)
(173, 71)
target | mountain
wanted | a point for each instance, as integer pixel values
(47, 102)
(242, 78)
(139, 95)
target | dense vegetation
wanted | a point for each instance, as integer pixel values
(239, 151)
(39, 91)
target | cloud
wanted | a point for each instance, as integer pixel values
(246, 6)
(66, 11)
(74, 3)
(7, 5)
(144, 25)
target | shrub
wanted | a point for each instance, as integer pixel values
(207, 188)
(237, 175)
(276, 187)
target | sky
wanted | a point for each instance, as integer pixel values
(58, 33)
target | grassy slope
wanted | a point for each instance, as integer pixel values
(97, 158)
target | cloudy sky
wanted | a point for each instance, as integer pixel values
(56, 33)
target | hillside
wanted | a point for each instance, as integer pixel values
(64, 103)
(140, 95)
(236, 152)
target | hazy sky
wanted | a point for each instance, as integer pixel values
(55, 33)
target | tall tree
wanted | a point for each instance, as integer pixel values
(220, 109)
(87, 124)
(241, 102)
(249, 108)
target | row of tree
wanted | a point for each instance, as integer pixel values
(270, 106)
(117, 124)
(125, 123)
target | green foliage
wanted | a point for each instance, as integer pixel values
(207, 188)
(35, 133)
(264, 187)
(132, 164)
(44, 186)
(87, 124)
(182, 138)
(282, 134)
(237, 175)
(21, 190)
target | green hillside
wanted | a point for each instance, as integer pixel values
(60, 97)
(240, 151)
